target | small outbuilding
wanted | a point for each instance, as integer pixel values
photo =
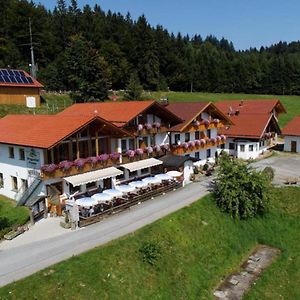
(18, 87)
(183, 164)
(291, 133)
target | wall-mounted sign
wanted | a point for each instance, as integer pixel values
(33, 158)
(30, 102)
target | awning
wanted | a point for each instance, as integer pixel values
(142, 164)
(93, 176)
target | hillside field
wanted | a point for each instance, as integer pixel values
(198, 246)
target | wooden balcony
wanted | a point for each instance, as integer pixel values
(180, 150)
(202, 127)
(144, 131)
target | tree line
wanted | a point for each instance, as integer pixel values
(88, 51)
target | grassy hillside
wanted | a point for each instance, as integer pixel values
(11, 215)
(198, 247)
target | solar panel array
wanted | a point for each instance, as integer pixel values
(14, 76)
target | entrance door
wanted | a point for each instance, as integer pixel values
(293, 146)
(107, 183)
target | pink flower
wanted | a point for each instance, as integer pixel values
(216, 121)
(223, 137)
(130, 153)
(197, 142)
(79, 163)
(49, 169)
(213, 140)
(103, 157)
(140, 127)
(93, 160)
(115, 156)
(157, 148)
(149, 149)
(196, 123)
(148, 126)
(139, 151)
(191, 144)
(206, 123)
(156, 125)
(202, 142)
(165, 147)
(218, 138)
(185, 145)
(65, 165)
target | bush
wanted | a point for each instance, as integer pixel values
(268, 172)
(151, 252)
(4, 223)
(241, 191)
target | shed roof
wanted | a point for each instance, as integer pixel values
(293, 127)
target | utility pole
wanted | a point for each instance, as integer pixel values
(32, 66)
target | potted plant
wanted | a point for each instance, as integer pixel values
(49, 169)
(79, 163)
(65, 165)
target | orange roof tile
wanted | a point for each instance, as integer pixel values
(251, 106)
(188, 111)
(119, 113)
(293, 127)
(248, 126)
(42, 131)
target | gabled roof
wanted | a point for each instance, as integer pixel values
(44, 131)
(250, 126)
(119, 113)
(293, 127)
(17, 78)
(188, 111)
(263, 106)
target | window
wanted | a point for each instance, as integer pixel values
(122, 176)
(222, 146)
(145, 171)
(24, 184)
(1, 180)
(209, 133)
(197, 135)
(177, 138)
(251, 148)
(242, 148)
(21, 154)
(197, 155)
(152, 140)
(11, 152)
(231, 146)
(124, 145)
(90, 185)
(145, 140)
(131, 144)
(208, 153)
(133, 174)
(14, 183)
(187, 137)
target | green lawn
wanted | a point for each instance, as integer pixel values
(14, 215)
(199, 247)
(291, 103)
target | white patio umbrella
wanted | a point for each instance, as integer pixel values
(138, 184)
(163, 176)
(151, 180)
(174, 173)
(125, 188)
(113, 192)
(102, 197)
(86, 202)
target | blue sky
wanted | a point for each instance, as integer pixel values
(247, 23)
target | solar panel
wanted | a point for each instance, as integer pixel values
(19, 80)
(6, 78)
(4, 72)
(10, 73)
(1, 78)
(17, 73)
(29, 80)
(12, 79)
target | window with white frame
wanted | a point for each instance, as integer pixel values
(186, 136)
(21, 154)
(242, 148)
(177, 138)
(197, 155)
(231, 146)
(124, 145)
(11, 152)
(14, 183)
(197, 135)
(251, 148)
(208, 153)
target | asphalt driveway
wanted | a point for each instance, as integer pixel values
(285, 165)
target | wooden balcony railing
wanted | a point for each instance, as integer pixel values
(146, 131)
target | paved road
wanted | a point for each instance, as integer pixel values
(285, 165)
(20, 261)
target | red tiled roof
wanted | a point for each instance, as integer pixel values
(188, 111)
(247, 126)
(119, 113)
(293, 127)
(35, 83)
(251, 106)
(42, 131)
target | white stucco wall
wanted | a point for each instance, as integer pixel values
(187, 171)
(287, 143)
(22, 169)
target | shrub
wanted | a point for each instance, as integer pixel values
(268, 172)
(4, 223)
(151, 252)
(240, 191)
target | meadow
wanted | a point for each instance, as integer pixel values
(198, 247)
